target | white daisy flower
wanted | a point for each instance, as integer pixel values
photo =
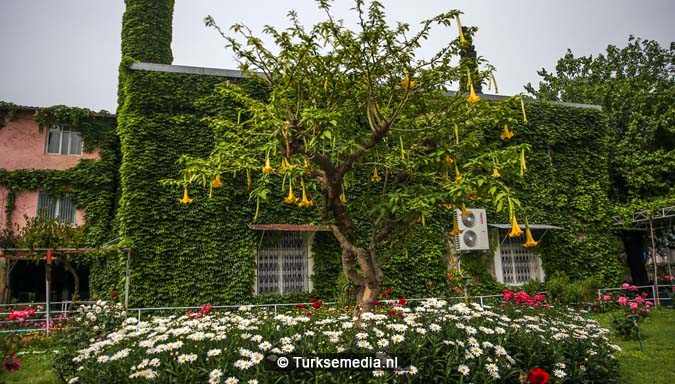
(463, 369)
(559, 373)
(213, 352)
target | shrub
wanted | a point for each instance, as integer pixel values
(444, 343)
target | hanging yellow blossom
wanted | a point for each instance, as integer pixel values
(290, 199)
(449, 206)
(305, 202)
(376, 177)
(506, 134)
(522, 107)
(455, 229)
(268, 167)
(325, 85)
(462, 40)
(523, 166)
(473, 98)
(343, 198)
(449, 160)
(407, 83)
(529, 240)
(456, 135)
(186, 199)
(465, 212)
(495, 173)
(216, 183)
(515, 228)
(458, 177)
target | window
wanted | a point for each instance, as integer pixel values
(64, 140)
(283, 263)
(52, 207)
(516, 265)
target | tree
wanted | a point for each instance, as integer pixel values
(635, 86)
(345, 104)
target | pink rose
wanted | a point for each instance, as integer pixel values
(633, 305)
(625, 285)
(622, 300)
(607, 298)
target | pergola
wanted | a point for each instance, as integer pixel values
(645, 218)
(14, 255)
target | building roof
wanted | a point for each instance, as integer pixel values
(522, 226)
(290, 227)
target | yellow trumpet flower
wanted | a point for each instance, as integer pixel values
(523, 166)
(305, 202)
(308, 169)
(495, 173)
(449, 160)
(462, 40)
(515, 228)
(268, 167)
(186, 199)
(290, 199)
(465, 212)
(473, 98)
(343, 198)
(376, 177)
(216, 183)
(529, 240)
(407, 83)
(458, 177)
(455, 229)
(449, 206)
(522, 107)
(506, 134)
(325, 85)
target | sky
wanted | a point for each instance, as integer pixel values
(68, 51)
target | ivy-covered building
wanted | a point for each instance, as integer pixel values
(212, 251)
(57, 163)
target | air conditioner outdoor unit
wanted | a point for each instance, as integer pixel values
(475, 230)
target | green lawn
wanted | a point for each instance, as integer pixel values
(35, 369)
(655, 364)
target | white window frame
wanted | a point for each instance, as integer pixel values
(308, 238)
(61, 129)
(59, 203)
(509, 248)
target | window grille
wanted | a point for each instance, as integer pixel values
(519, 264)
(60, 207)
(283, 264)
(64, 140)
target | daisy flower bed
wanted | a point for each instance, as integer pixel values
(436, 341)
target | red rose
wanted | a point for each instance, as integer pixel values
(316, 304)
(12, 363)
(538, 376)
(377, 302)
(311, 299)
(402, 301)
(301, 306)
(389, 291)
(113, 295)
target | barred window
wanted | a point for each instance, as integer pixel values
(283, 263)
(59, 206)
(516, 265)
(64, 140)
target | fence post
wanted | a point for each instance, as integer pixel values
(481, 301)
(139, 314)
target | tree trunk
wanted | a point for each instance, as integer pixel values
(365, 299)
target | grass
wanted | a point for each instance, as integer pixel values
(654, 365)
(35, 369)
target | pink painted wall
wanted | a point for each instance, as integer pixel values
(23, 146)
